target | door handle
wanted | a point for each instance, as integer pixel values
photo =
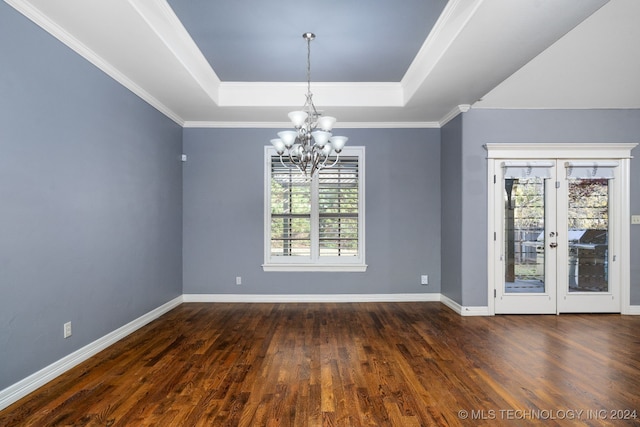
(553, 245)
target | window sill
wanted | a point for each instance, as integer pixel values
(316, 267)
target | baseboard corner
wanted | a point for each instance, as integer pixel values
(462, 310)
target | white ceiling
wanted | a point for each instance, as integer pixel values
(596, 65)
(511, 54)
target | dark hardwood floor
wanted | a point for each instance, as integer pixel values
(351, 364)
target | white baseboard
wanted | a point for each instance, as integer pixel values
(464, 311)
(633, 310)
(34, 381)
(271, 298)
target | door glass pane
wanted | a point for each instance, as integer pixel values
(588, 217)
(524, 235)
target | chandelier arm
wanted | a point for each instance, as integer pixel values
(303, 160)
(289, 166)
(335, 161)
(303, 136)
(303, 170)
(316, 162)
(322, 160)
(294, 161)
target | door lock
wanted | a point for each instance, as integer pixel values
(553, 245)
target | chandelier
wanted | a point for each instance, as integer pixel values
(310, 145)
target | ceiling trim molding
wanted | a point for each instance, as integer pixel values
(449, 25)
(286, 94)
(43, 21)
(234, 125)
(462, 108)
(480, 105)
(161, 18)
(347, 125)
(388, 125)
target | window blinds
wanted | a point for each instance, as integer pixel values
(290, 211)
(338, 208)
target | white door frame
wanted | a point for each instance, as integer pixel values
(502, 151)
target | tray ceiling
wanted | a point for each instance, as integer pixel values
(374, 64)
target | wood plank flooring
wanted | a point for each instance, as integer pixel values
(350, 364)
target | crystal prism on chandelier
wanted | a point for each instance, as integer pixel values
(310, 145)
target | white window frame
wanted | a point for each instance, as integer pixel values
(315, 262)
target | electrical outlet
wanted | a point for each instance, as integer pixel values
(424, 279)
(238, 280)
(67, 329)
(635, 219)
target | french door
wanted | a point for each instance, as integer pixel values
(558, 234)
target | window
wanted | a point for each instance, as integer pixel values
(317, 224)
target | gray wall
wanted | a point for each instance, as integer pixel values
(90, 191)
(223, 215)
(451, 188)
(482, 126)
(94, 206)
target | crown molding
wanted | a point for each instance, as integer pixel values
(234, 125)
(43, 21)
(388, 125)
(451, 22)
(462, 108)
(163, 21)
(342, 125)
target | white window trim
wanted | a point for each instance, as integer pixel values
(328, 264)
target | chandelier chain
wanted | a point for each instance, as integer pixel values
(308, 65)
(311, 144)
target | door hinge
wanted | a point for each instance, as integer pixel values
(495, 236)
(495, 293)
(557, 184)
(494, 179)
